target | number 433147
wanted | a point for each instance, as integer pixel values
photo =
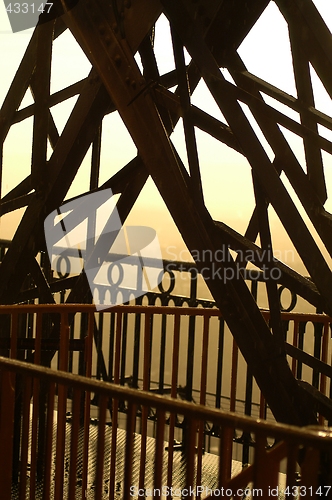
(26, 8)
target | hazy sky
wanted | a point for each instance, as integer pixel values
(226, 175)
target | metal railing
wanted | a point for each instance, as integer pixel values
(164, 349)
(66, 466)
(186, 353)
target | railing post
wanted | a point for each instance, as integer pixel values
(221, 337)
(162, 354)
(246, 437)
(61, 409)
(318, 329)
(7, 403)
(292, 457)
(309, 471)
(87, 402)
(49, 440)
(189, 454)
(302, 328)
(262, 472)
(124, 349)
(99, 344)
(295, 343)
(225, 455)
(115, 403)
(75, 423)
(191, 335)
(129, 453)
(159, 453)
(14, 334)
(99, 478)
(234, 367)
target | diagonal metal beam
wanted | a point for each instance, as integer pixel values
(231, 25)
(24, 187)
(42, 82)
(101, 250)
(266, 243)
(250, 252)
(63, 165)
(284, 160)
(55, 99)
(315, 37)
(21, 81)
(69, 152)
(258, 84)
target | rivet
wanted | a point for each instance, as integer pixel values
(133, 84)
(117, 60)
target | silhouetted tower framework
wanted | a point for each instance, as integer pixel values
(111, 33)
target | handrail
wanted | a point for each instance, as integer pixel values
(186, 352)
(190, 311)
(117, 326)
(299, 355)
(308, 435)
(48, 463)
(77, 308)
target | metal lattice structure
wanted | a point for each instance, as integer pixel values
(110, 34)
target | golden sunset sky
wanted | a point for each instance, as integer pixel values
(226, 175)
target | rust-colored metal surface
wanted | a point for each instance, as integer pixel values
(211, 31)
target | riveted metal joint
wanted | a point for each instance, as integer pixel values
(117, 60)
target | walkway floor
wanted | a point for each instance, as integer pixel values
(209, 473)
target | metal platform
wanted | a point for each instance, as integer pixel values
(209, 479)
(209, 471)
